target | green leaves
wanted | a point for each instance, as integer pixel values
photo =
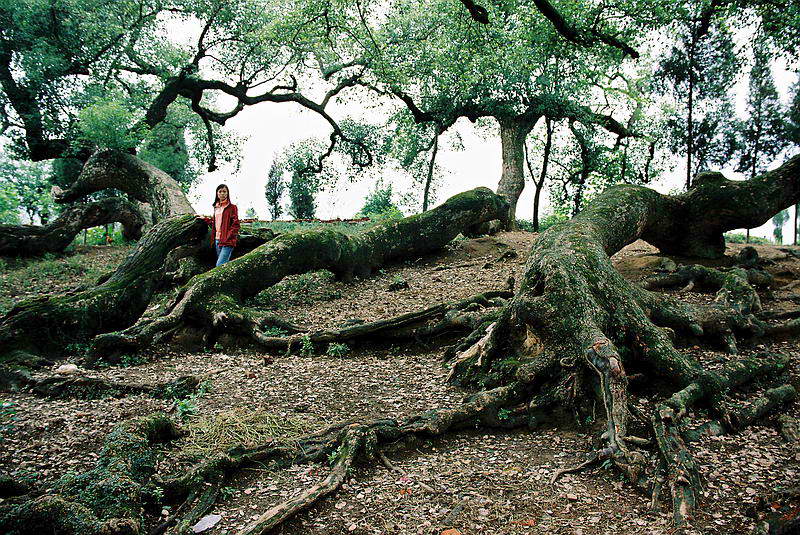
(108, 124)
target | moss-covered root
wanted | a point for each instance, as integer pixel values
(105, 500)
(80, 387)
(46, 326)
(734, 287)
(216, 297)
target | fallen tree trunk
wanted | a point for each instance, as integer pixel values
(215, 300)
(31, 240)
(109, 169)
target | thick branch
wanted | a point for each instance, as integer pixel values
(25, 240)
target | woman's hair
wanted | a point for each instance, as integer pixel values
(216, 194)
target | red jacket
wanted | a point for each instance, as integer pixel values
(229, 228)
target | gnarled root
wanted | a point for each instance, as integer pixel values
(31, 240)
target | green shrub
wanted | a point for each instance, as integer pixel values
(737, 237)
(378, 205)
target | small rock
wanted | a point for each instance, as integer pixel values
(572, 497)
(206, 523)
(67, 369)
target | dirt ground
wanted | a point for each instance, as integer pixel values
(482, 482)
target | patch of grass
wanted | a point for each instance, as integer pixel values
(244, 427)
(735, 237)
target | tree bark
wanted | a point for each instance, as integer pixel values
(30, 240)
(513, 132)
(147, 184)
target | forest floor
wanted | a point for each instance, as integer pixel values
(483, 482)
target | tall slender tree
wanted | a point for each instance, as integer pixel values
(698, 72)
(763, 134)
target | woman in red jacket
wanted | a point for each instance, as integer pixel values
(224, 225)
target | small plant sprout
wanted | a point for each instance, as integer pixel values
(338, 350)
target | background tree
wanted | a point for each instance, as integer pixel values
(378, 204)
(28, 183)
(778, 221)
(274, 189)
(698, 73)
(763, 133)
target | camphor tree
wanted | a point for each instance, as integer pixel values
(472, 72)
(573, 333)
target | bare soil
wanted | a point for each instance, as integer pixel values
(483, 482)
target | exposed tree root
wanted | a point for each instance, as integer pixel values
(45, 326)
(734, 287)
(214, 300)
(463, 315)
(107, 500)
(72, 387)
(31, 240)
(345, 443)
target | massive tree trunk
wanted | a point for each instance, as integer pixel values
(214, 300)
(110, 169)
(575, 317)
(27, 240)
(513, 132)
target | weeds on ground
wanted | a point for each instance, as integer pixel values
(186, 407)
(337, 350)
(8, 415)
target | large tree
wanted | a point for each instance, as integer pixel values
(571, 335)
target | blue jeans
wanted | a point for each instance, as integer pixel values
(223, 253)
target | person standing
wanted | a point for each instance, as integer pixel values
(224, 225)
